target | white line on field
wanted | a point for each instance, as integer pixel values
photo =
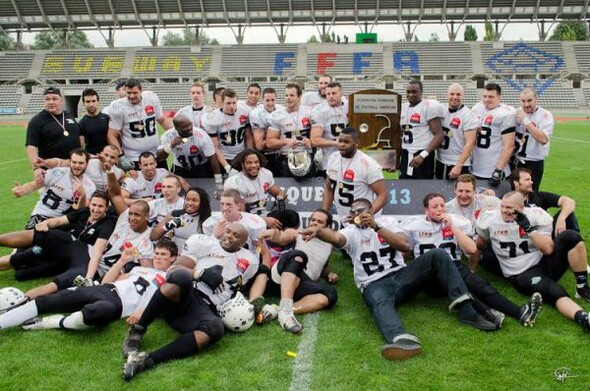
(301, 375)
(12, 161)
(575, 140)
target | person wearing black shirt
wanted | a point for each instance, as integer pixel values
(69, 252)
(94, 125)
(52, 133)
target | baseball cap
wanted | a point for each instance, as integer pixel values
(52, 90)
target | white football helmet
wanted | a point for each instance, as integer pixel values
(300, 162)
(237, 314)
(11, 298)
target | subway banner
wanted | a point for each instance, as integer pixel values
(405, 196)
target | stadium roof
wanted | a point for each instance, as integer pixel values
(33, 15)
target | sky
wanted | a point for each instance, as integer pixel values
(127, 38)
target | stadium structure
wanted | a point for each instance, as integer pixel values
(559, 71)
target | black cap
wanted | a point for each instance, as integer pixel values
(52, 90)
(120, 83)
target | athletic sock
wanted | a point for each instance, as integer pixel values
(181, 347)
(17, 316)
(581, 279)
(286, 306)
(74, 321)
(581, 318)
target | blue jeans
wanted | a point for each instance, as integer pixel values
(384, 295)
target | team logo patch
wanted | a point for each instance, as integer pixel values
(455, 122)
(242, 264)
(381, 240)
(415, 118)
(265, 186)
(447, 233)
(476, 213)
(193, 149)
(305, 122)
(125, 245)
(159, 280)
(149, 110)
(243, 119)
(348, 175)
(488, 120)
(158, 187)
(522, 233)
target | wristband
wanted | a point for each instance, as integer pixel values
(526, 121)
(424, 154)
(377, 227)
(227, 168)
(168, 149)
(218, 178)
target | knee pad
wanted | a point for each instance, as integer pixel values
(213, 327)
(291, 264)
(569, 238)
(262, 269)
(332, 295)
(182, 279)
(100, 313)
(550, 290)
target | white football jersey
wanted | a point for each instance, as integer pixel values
(142, 188)
(296, 124)
(230, 130)
(312, 99)
(332, 120)
(317, 252)
(238, 267)
(259, 117)
(455, 124)
(488, 147)
(123, 236)
(190, 154)
(160, 208)
(350, 179)
(416, 134)
(60, 192)
(513, 247)
(480, 203)
(253, 223)
(188, 227)
(425, 235)
(98, 176)
(195, 115)
(138, 288)
(529, 148)
(253, 191)
(137, 124)
(372, 257)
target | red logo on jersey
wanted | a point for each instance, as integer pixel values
(455, 122)
(476, 214)
(265, 186)
(381, 240)
(125, 245)
(158, 187)
(348, 175)
(447, 233)
(522, 233)
(415, 118)
(305, 122)
(193, 149)
(243, 119)
(242, 264)
(149, 110)
(489, 119)
(160, 280)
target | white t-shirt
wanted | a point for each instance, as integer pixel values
(455, 124)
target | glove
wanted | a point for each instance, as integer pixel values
(125, 164)
(496, 178)
(523, 221)
(211, 276)
(174, 223)
(280, 205)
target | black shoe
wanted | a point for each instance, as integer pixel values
(583, 293)
(136, 362)
(529, 311)
(479, 322)
(132, 340)
(496, 317)
(404, 346)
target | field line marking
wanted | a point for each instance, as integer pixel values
(301, 375)
(570, 139)
(12, 161)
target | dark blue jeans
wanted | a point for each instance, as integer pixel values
(384, 295)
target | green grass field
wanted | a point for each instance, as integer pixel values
(339, 350)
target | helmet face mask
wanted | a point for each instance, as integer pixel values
(11, 298)
(237, 314)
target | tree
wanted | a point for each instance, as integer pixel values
(434, 38)
(186, 38)
(55, 40)
(312, 39)
(489, 32)
(5, 42)
(570, 31)
(470, 33)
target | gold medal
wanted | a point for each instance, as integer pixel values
(341, 185)
(66, 133)
(261, 203)
(297, 133)
(228, 138)
(139, 127)
(357, 220)
(338, 129)
(184, 140)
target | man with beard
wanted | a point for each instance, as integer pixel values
(312, 99)
(94, 125)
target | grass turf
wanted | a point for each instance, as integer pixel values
(346, 354)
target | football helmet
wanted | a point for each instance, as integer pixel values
(11, 298)
(300, 161)
(237, 314)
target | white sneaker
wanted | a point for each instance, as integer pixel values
(45, 323)
(269, 313)
(290, 323)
